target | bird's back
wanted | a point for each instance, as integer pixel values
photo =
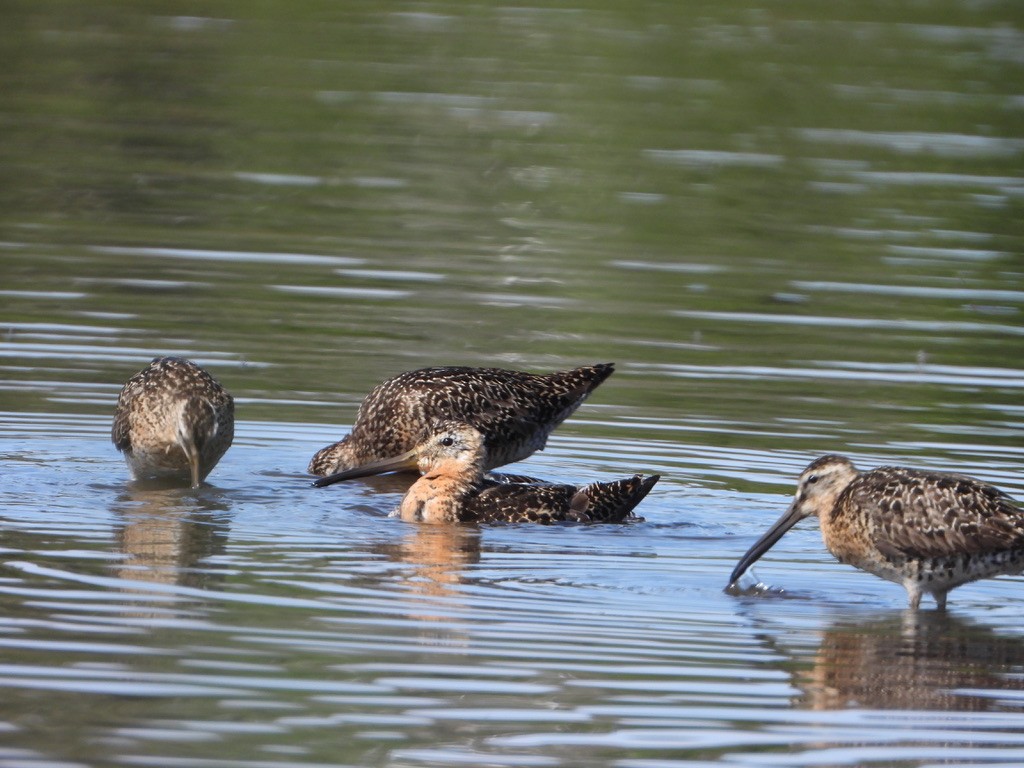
(514, 410)
(912, 514)
(170, 401)
(600, 502)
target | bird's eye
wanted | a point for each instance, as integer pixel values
(812, 479)
(447, 441)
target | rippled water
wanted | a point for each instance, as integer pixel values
(795, 229)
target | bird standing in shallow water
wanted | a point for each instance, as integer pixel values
(453, 488)
(173, 419)
(928, 531)
(515, 412)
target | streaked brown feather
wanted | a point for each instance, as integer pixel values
(929, 531)
(917, 514)
(515, 411)
(453, 489)
(167, 408)
(610, 501)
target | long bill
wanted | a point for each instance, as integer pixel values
(188, 446)
(403, 461)
(791, 517)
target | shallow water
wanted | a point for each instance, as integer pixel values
(796, 230)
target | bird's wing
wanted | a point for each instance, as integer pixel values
(120, 434)
(923, 516)
(518, 503)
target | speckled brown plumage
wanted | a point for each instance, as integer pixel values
(453, 489)
(515, 411)
(929, 531)
(173, 419)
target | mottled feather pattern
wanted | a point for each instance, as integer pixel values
(515, 411)
(951, 514)
(929, 531)
(600, 502)
(166, 411)
(454, 489)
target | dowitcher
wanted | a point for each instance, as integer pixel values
(515, 411)
(929, 531)
(173, 419)
(453, 488)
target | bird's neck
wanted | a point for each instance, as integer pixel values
(455, 475)
(438, 495)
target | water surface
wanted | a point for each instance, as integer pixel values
(794, 229)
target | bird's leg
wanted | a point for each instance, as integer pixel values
(914, 593)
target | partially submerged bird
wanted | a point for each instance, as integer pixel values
(173, 419)
(453, 488)
(929, 531)
(515, 412)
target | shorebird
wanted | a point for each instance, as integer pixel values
(453, 488)
(515, 411)
(929, 531)
(173, 419)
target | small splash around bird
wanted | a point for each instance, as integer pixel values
(454, 489)
(515, 412)
(749, 585)
(928, 531)
(173, 420)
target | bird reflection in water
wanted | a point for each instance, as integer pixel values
(913, 660)
(165, 534)
(434, 560)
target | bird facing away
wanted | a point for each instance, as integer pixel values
(515, 411)
(173, 420)
(453, 488)
(929, 531)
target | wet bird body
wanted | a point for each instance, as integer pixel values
(515, 411)
(173, 419)
(487, 501)
(453, 489)
(928, 531)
